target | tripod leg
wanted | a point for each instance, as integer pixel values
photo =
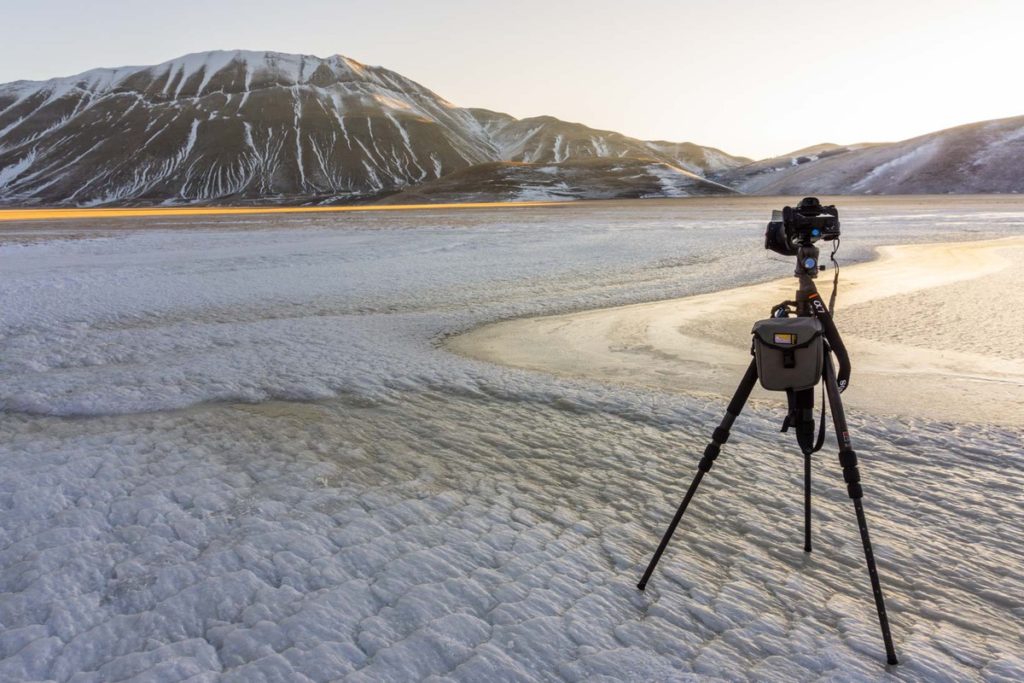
(801, 416)
(720, 436)
(807, 501)
(851, 475)
(803, 419)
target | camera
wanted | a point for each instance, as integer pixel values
(807, 223)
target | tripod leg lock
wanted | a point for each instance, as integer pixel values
(851, 473)
(710, 453)
(718, 439)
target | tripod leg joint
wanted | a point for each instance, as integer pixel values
(713, 449)
(710, 454)
(720, 435)
(851, 473)
(847, 458)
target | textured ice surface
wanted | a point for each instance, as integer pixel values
(422, 515)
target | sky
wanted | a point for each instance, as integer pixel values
(756, 78)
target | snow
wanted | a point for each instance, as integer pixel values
(900, 165)
(190, 143)
(1001, 140)
(9, 173)
(668, 178)
(676, 181)
(235, 451)
(291, 69)
(553, 192)
(11, 126)
(297, 127)
(214, 62)
(558, 153)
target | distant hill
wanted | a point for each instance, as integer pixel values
(974, 158)
(239, 126)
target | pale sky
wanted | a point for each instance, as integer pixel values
(752, 77)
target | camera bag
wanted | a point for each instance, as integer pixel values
(789, 352)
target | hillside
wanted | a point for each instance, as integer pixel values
(975, 158)
(594, 178)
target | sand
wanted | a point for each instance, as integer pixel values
(934, 331)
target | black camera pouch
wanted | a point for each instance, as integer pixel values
(790, 353)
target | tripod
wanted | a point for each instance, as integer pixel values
(808, 303)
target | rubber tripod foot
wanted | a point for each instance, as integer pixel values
(892, 660)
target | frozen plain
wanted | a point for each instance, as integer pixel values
(233, 450)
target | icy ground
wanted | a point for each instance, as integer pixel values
(236, 452)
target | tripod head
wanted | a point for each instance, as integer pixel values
(807, 269)
(807, 260)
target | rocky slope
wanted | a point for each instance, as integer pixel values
(593, 178)
(545, 139)
(240, 126)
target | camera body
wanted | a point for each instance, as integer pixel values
(792, 228)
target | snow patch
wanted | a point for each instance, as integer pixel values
(10, 173)
(898, 165)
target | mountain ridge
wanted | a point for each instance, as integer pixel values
(982, 157)
(243, 126)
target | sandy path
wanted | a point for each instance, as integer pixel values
(933, 330)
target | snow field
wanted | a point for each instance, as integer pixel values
(485, 538)
(236, 452)
(165, 319)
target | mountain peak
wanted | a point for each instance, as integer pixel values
(198, 73)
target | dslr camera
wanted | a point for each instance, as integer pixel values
(809, 222)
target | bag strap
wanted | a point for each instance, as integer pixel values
(787, 423)
(821, 426)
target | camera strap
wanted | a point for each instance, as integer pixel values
(832, 308)
(835, 278)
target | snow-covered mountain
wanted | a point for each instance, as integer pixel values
(250, 126)
(545, 139)
(979, 157)
(240, 126)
